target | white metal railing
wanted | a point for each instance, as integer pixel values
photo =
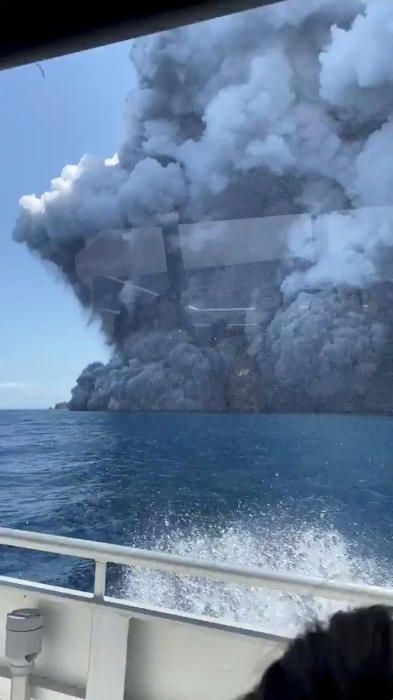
(102, 554)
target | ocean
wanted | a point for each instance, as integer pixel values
(306, 493)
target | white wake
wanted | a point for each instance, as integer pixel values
(310, 551)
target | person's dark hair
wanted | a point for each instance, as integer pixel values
(351, 659)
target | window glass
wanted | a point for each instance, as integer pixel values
(199, 275)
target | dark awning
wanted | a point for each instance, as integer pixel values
(30, 33)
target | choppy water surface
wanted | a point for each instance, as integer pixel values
(312, 494)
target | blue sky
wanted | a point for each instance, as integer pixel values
(45, 340)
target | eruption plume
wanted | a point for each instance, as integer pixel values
(238, 248)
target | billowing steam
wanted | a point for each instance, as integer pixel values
(277, 123)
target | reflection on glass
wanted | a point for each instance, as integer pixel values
(237, 250)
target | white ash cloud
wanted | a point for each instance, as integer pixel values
(282, 110)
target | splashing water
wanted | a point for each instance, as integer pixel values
(305, 550)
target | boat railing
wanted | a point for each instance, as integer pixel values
(95, 646)
(103, 554)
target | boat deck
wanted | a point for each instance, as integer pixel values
(103, 648)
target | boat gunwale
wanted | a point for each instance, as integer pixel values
(103, 553)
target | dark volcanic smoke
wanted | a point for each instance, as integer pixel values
(238, 248)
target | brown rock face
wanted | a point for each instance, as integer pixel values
(244, 385)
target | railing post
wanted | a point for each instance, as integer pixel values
(108, 647)
(99, 579)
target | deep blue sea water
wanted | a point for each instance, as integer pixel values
(309, 493)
